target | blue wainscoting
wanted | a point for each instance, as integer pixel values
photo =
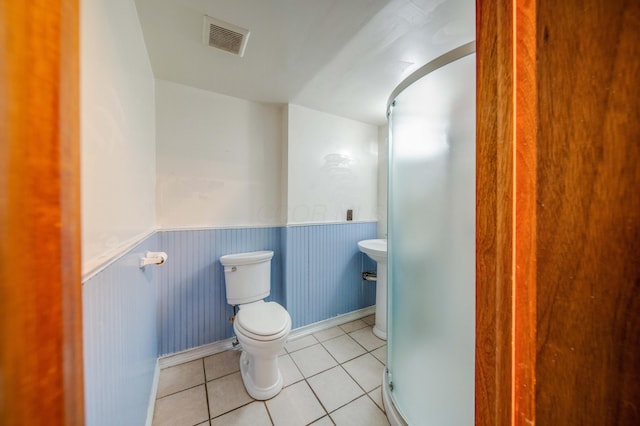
(323, 271)
(193, 309)
(120, 339)
(315, 274)
(131, 316)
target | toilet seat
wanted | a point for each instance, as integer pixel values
(263, 321)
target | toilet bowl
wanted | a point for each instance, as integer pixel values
(261, 327)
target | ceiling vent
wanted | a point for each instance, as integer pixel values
(225, 36)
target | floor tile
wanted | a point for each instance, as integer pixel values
(226, 393)
(313, 360)
(366, 370)
(328, 333)
(360, 412)
(295, 405)
(221, 364)
(254, 414)
(325, 421)
(353, 325)
(351, 392)
(381, 354)
(290, 373)
(188, 407)
(366, 338)
(180, 377)
(343, 348)
(376, 395)
(334, 388)
(300, 343)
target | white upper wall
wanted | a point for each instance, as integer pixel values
(117, 130)
(224, 161)
(219, 159)
(332, 167)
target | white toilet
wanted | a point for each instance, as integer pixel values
(262, 327)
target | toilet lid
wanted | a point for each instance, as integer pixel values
(263, 319)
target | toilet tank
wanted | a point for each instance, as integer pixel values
(247, 276)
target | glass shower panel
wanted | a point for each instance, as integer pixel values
(432, 247)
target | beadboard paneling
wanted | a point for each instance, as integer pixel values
(323, 266)
(120, 339)
(193, 309)
(315, 275)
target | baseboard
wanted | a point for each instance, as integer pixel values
(331, 322)
(152, 396)
(195, 353)
(223, 345)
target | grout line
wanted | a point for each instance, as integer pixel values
(326, 412)
(199, 384)
(206, 391)
(371, 399)
(334, 358)
(181, 390)
(357, 343)
(266, 407)
(237, 408)
(225, 375)
(297, 369)
(374, 402)
(345, 404)
(357, 383)
(304, 347)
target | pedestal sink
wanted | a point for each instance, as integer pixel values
(377, 250)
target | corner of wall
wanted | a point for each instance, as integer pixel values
(383, 178)
(284, 177)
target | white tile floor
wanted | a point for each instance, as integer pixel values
(332, 377)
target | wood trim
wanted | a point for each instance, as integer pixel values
(494, 212)
(524, 243)
(40, 289)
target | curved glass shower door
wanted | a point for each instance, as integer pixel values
(431, 247)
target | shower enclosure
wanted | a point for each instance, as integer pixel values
(429, 379)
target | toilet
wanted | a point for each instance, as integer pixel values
(261, 327)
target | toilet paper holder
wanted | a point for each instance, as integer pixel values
(153, 258)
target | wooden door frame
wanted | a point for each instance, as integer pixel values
(505, 212)
(40, 287)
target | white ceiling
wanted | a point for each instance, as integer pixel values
(344, 57)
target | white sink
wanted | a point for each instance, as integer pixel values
(377, 250)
